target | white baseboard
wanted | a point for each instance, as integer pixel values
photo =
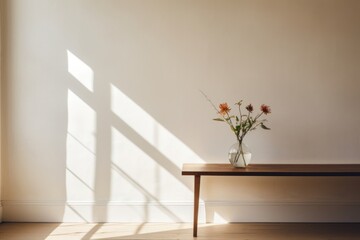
(282, 212)
(218, 212)
(40, 211)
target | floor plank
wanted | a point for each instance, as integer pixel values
(240, 231)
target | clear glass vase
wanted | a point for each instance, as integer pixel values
(239, 155)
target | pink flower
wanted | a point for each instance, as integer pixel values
(265, 109)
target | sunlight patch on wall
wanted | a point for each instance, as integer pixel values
(80, 149)
(152, 131)
(80, 71)
(138, 176)
(219, 219)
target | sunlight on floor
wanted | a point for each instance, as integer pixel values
(166, 231)
(112, 230)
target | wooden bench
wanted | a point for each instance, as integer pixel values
(288, 170)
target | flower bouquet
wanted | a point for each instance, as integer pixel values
(241, 124)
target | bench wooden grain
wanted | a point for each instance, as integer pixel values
(286, 170)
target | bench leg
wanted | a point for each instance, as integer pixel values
(196, 203)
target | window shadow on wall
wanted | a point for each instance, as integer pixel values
(118, 154)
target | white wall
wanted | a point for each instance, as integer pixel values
(102, 107)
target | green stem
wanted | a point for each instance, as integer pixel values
(208, 99)
(230, 122)
(239, 133)
(240, 152)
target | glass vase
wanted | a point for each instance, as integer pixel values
(239, 155)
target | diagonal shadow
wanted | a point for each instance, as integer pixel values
(150, 150)
(80, 143)
(79, 179)
(92, 231)
(76, 212)
(145, 192)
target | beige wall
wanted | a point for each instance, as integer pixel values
(102, 107)
(1, 15)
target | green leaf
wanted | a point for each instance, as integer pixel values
(264, 127)
(239, 103)
(219, 119)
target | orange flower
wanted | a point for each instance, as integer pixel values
(265, 109)
(224, 108)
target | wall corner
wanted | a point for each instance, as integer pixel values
(1, 54)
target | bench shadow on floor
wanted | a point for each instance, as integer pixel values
(250, 231)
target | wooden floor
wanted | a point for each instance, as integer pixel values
(247, 231)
